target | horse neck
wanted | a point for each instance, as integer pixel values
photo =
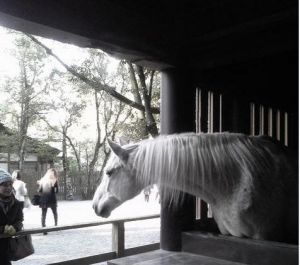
(177, 166)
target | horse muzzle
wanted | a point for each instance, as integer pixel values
(104, 208)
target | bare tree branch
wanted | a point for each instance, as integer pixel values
(151, 85)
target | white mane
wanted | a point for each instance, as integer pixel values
(185, 159)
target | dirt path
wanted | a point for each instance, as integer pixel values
(70, 244)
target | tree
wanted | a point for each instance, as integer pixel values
(27, 89)
(141, 92)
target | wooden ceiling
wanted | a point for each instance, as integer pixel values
(228, 43)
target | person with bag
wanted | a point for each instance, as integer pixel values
(48, 187)
(20, 189)
(11, 215)
(36, 199)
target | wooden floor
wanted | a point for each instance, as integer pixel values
(200, 248)
(159, 257)
(243, 250)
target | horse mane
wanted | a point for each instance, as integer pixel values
(189, 160)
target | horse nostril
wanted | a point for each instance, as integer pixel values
(104, 212)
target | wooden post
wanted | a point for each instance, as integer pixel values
(118, 238)
(177, 115)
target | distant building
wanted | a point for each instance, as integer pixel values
(38, 158)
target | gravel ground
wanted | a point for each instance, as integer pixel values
(76, 243)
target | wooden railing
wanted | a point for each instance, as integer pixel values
(118, 240)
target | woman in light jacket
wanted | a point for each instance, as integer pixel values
(19, 187)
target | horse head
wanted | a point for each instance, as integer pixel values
(118, 181)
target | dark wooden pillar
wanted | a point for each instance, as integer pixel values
(177, 115)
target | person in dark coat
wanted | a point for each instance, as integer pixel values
(11, 214)
(48, 187)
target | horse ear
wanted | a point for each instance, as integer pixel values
(123, 141)
(118, 150)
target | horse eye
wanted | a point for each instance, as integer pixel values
(109, 172)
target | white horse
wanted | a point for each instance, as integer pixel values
(249, 182)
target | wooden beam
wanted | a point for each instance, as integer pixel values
(88, 260)
(255, 39)
(249, 27)
(118, 238)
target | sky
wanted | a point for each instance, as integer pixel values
(8, 63)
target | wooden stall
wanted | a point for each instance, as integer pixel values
(226, 65)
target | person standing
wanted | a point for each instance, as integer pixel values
(20, 188)
(48, 187)
(11, 214)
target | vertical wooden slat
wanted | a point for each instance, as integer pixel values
(198, 208)
(270, 122)
(204, 111)
(198, 130)
(220, 113)
(208, 112)
(211, 112)
(278, 125)
(261, 120)
(198, 110)
(274, 119)
(118, 238)
(286, 132)
(216, 112)
(257, 119)
(252, 118)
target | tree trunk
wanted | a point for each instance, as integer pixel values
(64, 164)
(150, 121)
(138, 98)
(97, 147)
